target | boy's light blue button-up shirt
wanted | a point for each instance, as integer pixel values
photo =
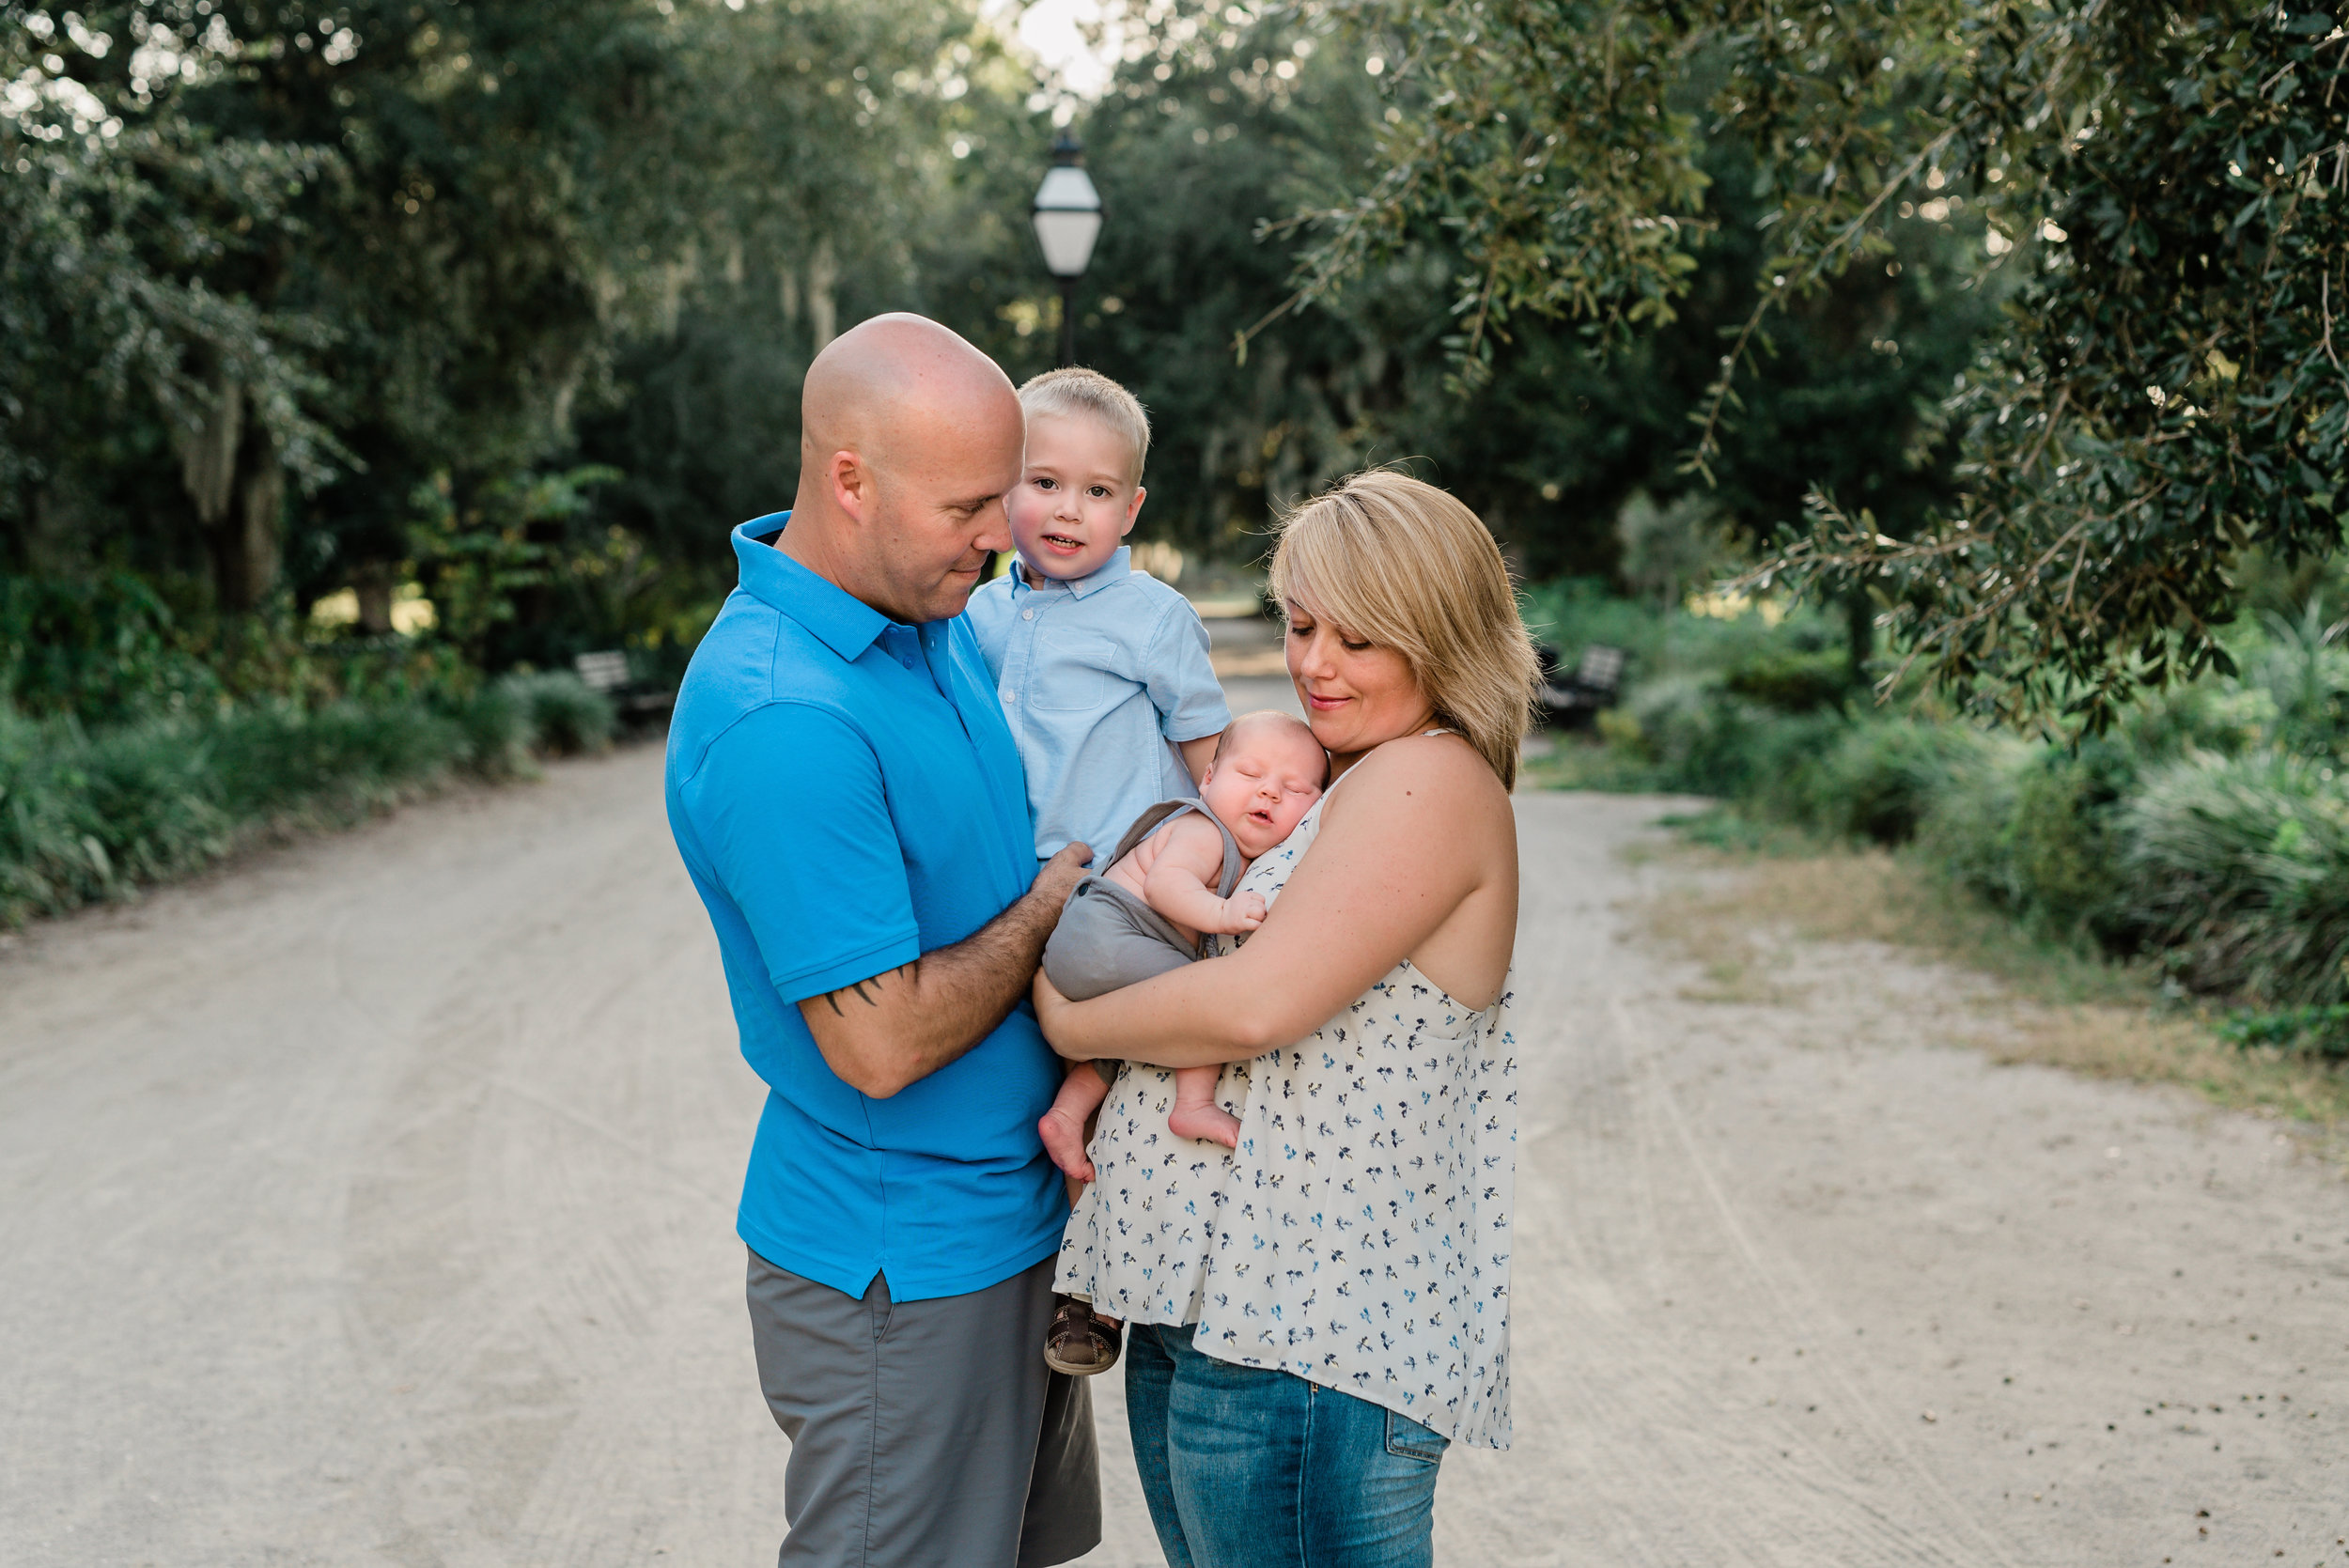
(1098, 678)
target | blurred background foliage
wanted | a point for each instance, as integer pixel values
(363, 362)
(315, 309)
(2163, 187)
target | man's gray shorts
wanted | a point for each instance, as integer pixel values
(925, 1433)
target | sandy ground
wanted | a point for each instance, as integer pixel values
(370, 1203)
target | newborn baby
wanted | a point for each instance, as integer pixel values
(1168, 885)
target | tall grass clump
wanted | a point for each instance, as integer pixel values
(84, 818)
(2237, 869)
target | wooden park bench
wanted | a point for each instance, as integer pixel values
(1573, 701)
(607, 672)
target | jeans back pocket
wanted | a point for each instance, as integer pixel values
(1407, 1439)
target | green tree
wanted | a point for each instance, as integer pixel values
(391, 252)
(1215, 131)
(359, 243)
(118, 225)
(846, 163)
(2162, 182)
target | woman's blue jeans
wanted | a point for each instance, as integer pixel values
(1246, 1468)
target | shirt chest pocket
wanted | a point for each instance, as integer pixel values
(1074, 671)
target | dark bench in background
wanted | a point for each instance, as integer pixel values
(607, 672)
(1573, 701)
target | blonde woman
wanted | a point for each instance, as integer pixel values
(1318, 1314)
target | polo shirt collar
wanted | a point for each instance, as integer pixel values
(1118, 566)
(841, 621)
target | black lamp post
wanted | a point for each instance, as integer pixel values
(1067, 219)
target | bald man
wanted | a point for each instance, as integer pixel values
(849, 804)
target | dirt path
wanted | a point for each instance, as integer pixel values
(371, 1205)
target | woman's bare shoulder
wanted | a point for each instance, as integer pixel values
(1431, 788)
(1443, 768)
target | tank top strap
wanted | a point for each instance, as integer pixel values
(1439, 729)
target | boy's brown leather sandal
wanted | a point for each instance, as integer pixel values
(1079, 1343)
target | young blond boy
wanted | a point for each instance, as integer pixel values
(1104, 677)
(1102, 671)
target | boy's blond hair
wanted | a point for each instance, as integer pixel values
(1075, 390)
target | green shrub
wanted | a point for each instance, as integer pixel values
(102, 649)
(2066, 866)
(494, 733)
(2206, 830)
(86, 816)
(2031, 828)
(2320, 1031)
(1879, 777)
(2239, 868)
(565, 714)
(44, 861)
(1669, 550)
(1866, 777)
(1793, 680)
(2304, 667)
(1575, 613)
(1698, 737)
(275, 758)
(150, 797)
(1777, 758)
(2207, 716)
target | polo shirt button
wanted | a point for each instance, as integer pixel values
(907, 661)
(1027, 614)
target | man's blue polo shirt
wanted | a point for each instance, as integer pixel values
(847, 797)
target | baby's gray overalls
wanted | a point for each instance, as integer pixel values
(1108, 937)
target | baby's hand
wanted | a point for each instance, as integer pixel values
(1242, 913)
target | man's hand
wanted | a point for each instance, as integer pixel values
(887, 1030)
(1061, 875)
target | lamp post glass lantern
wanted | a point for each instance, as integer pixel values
(1067, 219)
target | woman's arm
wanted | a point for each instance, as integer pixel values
(1415, 830)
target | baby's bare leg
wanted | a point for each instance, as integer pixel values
(1196, 1114)
(1063, 1127)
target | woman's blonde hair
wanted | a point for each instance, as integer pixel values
(1407, 566)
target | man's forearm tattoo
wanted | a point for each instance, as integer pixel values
(831, 998)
